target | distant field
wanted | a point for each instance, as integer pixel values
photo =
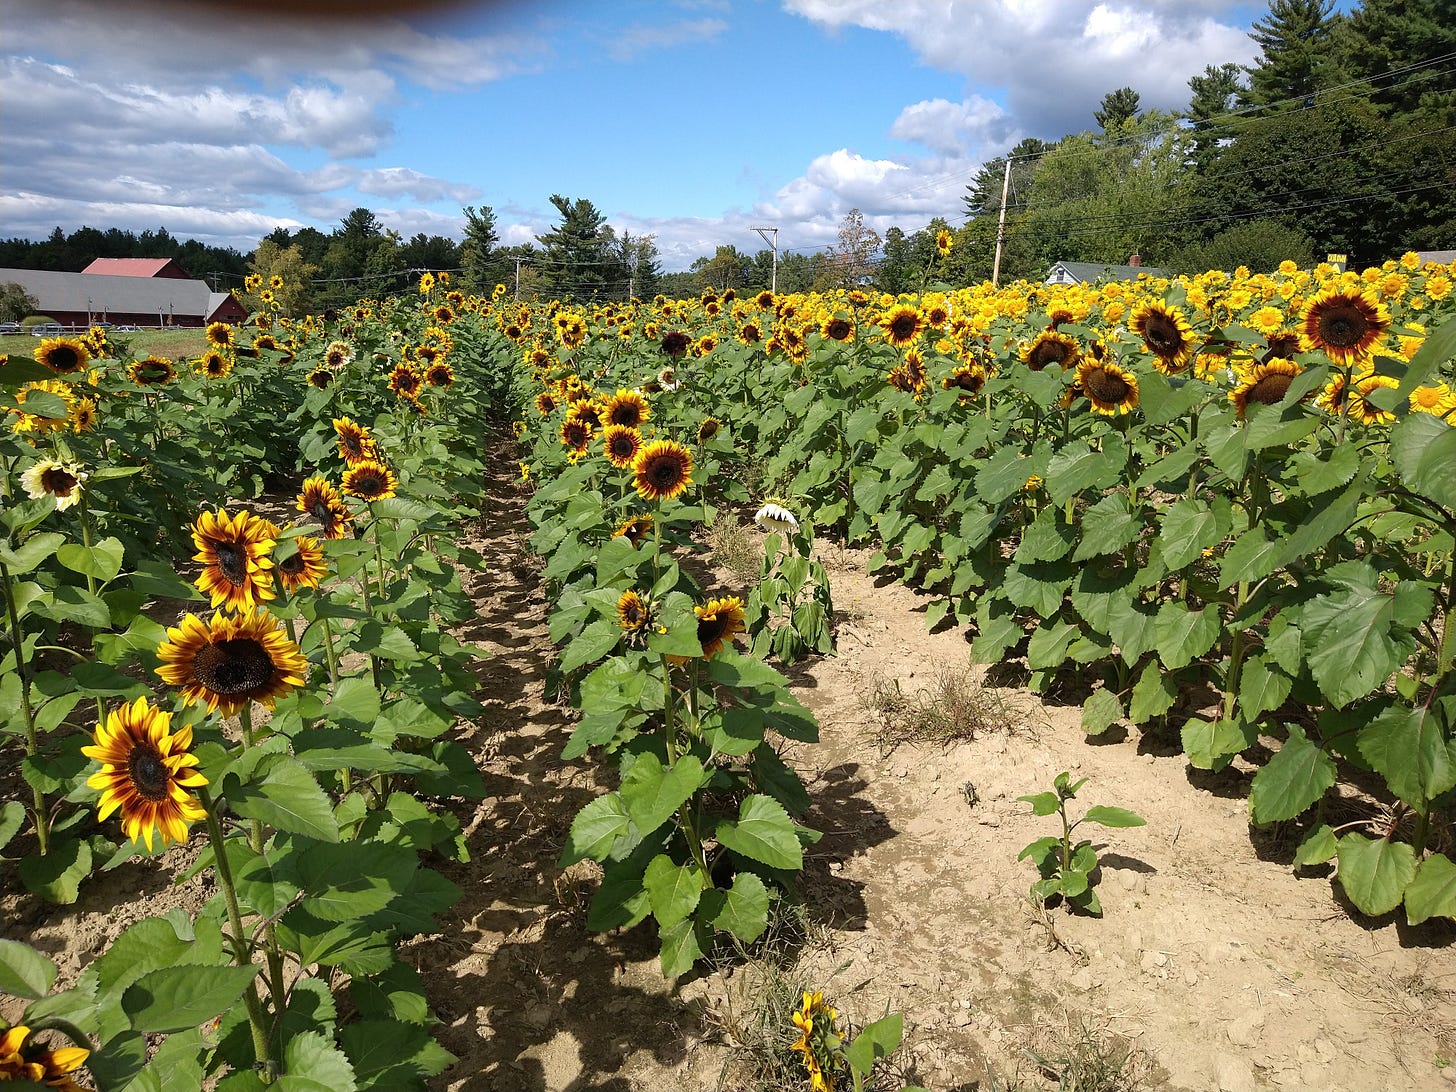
(177, 344)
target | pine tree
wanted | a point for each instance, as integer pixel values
(1118, 108)
(1297, 40)
(1383, 39)
(574, 259)
(1214, 94)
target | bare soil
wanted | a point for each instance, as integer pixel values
(1214, 965)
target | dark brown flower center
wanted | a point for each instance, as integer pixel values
(292, 566)
(1342, 327)
(239, 666)
(969, 381)
(675, 343)
(622, 446)
(708, 429)
(838, 329)
(57, 482)
(1270, 388)
(1048, 352)
(369, 484)
(232, 562)
(664, 472)
(63, 358)
(1106, 386)
(903, 327)
(626, 413)
(1162, 335)
(148, 773)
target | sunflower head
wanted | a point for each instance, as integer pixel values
(154, 371)
(146, 770)
(63, 355)
(621, 443)
(370, 480)
(305, 567)
(1265, 383)
(214, 364)
(626, 407)
(634, 530)
(220, 334)
(231, 661)
(719, 621)
(1165, 333)
(663, 469)
(632, 611)
(235, 554)
(51, 478)
(356, 443)
(1346, 324)
(708, 428)
(944, 240)
(1111, 389)
(675, 344)
(576, 434)
(1050, 347)
(902, 324)
(967, 379)
(325, 506)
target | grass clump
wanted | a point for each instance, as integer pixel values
(952, 706)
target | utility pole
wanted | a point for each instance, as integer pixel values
(773, 242)
(519, 260)
(1001, 224)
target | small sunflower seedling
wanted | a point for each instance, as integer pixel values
(1066, 866)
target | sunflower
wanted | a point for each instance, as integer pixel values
(370, 480)
(1265, 383)
(220, 334)
(145, 771)
(749, 334)
(1050, 347)
(944, 240)
(969, 379)
(588, 411)
(836, 328)
(576, 434)
(213, 364)
(631, 611)
(62, 355)
(443, 314)
(1345, 324)
(266, 297)
(320, 377)
(440, 374)
(325, 505)
(49, 478)
(545, 403)
(234, 551)
(1365, 411)
(634, 530)
(252, 282)
(675, 343)
(902, 325)
(626, 408)
(43, 422)
(621, 444)
(154, 371)
(1165, 333)
(305, 567)
(764, 300)
(708, 428)
(1332, 398)
(663, 470)
(405, 381)
(719, 621)
(83, 416)
(337, 355)
(275, 282)
(816, 1022)
(231, 661)
(355, 441)
(23, 1059)
(1111, 389)
(1438, 400)
(1280, 345)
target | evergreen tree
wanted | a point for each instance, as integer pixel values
(1296, 39)
(574, 258)
(1382, 41)
(485, 265)
(1118, 108)
(1214, 94)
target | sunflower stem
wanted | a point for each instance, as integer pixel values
(242, 953)
(32, 735)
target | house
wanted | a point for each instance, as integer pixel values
(80, 299)
(1440, 257)
(1088, 272)
(139, 267)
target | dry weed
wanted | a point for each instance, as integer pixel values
(952, 706)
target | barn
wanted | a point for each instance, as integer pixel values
(158, 298)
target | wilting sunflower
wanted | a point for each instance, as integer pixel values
(234, 551)
(405, 381)
(902, 325)
(1111, 389)
(719, 621)
(1360, 407)
(1051, 347)
(440, 374)
(626, 408)
(576, 434)
(305, 567)
(1345, 324)
(816, 1022)
(370, 480)
(663, 470)
(220, 334)
(635, 529)
(675, 343)
(968, 379)
(355, 441)
(1165, 333)
(49, 478)
(631, 611)
(621, 444)
(708, 428)
(213, 364)
(62, 355)
(146, 771)
(154, 371)
(1265, 383)
(325, 505)
(24, 1059)
(231, 661)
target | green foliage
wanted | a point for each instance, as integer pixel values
(1065, 866)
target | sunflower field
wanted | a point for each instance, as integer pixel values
(1220, 507)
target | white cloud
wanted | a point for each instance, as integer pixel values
(34, 215)
(632, 42)
(405, 181)
(955, 128)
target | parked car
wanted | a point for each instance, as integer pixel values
(47, 329)
(128, 328)
(10, 328)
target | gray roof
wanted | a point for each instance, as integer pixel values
(1084, 272)
(97, 292)
(1443, 257)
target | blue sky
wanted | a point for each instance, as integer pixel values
(691, 120)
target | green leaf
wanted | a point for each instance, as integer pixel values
(1043, 803)
(1252, 556)
(652, 792)
(1078, 467)
(1375, 872)
(875, 1041)
(12, 818)
(1152, 695)
(673, 889)
(1184, 635)
(311, 1063)
(591, 644)
(595, 830)
(1319, 846)
(1432, 894)
(1263, 686)
(681, 947)
(1356, 636)
(178, 998)
(1106, 816)
(1188, 527)
(21, 369)
(102, 560)
(1212, 744)
(1324, 469)
(1047, 649)
(1413, 750)
(390, 642)
(1292, 781)
(283, 794)
(745, 910)
(1107, 527)
(1273, 426)
(116, 1065)
(1004, 473)
(59, 873)
(1048, 538)
(1423, 449)
(1101, 711)
(763, 832)
(355, 703)
(347, 881)
(24, 972)
(30, 554)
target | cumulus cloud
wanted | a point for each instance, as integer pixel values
(34, 215)
(971, 127)
(407, 182)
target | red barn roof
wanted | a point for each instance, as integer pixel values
(138, 267)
